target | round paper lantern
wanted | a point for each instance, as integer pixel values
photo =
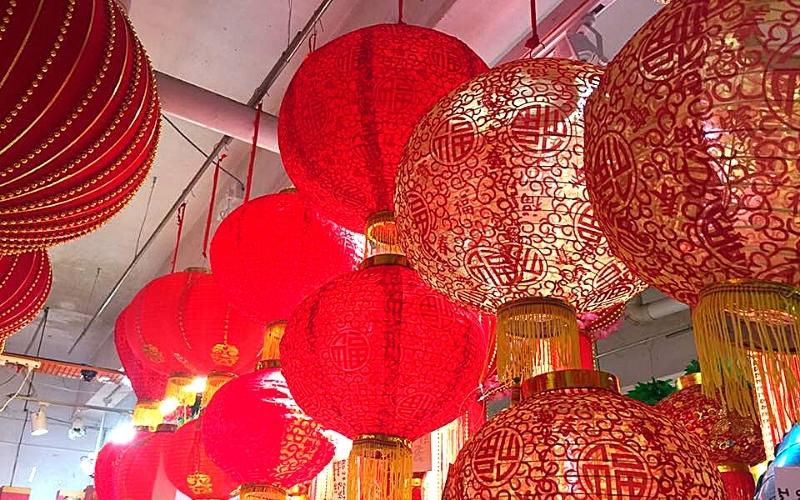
(271, 252)
(575, 437)
(733, 442)
(190, 469)
(378, 356)
(149, 386)
(185, 328)
(351, 106)
(492, 209)
(25, 281)
(105, 469)
(79, 119)
(138, 466)
(257, 434)
(693, 141)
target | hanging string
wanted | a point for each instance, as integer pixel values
(400, 11)
(211, 202)
(180, 214)
(533, 41)
(251, 165)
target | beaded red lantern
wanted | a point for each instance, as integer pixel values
(273, 251)
(149, 386)
(492, 209)
(138, 465)
(25, 282)
(575, 437)
(734, 442)
(693, 138)
(190, 469)
(184, 327)
(351, 106)
(79, 119)
(378, 356)
(258, 435)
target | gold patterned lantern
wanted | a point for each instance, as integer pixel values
(574, 437)
(693, 140)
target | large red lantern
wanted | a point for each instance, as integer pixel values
(378, 356)
(138, 466)
(190, 469)
(351, 106)
(25, 282)
(105, 470)
(492, 209)
(79, 119)
(149, 386)
(575, 437)
(184, 327)
(257, 434)
(733, 442)
(273, 251)
(693, 140)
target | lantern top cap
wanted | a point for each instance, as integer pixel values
(689, 380)
(569, 379)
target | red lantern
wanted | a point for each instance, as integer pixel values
(575, 437)
(492, 209)
(138, 466)
(79, 119)
(149, 386)
(105, 470)
(185, 317)
(25, 282)
(694, 176)
(378, 356)
(733, 442)
(258, 435)
(351, 106)
(190, 469)
(273, 251)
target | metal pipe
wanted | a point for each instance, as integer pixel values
(64, 404)
(258, 95)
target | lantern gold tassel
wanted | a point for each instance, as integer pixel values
(379, 468)
(147, 414)
(536, 336)
(261, 492)
(737, 320)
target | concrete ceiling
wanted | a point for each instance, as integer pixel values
(228, 48)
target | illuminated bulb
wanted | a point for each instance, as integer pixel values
(123, 433)
(168, 406)
(197, 386)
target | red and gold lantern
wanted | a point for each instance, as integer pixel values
(190, 469)
(350, 108)
(734, 442)
(184, 328)
(693, 140)
(575, 437)
(256, 433)
(105, 470)
(137, 468)
(25, 281)
(271, 252)
(492, 209)
(79, 119)
(378, 356)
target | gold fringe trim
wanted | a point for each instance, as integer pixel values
(379, 468)
(271, 350)
(381, 236)
(147, 414)
(261, 492)
(736, 320)
(176, 390)
(214, 382)
(536, 336)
